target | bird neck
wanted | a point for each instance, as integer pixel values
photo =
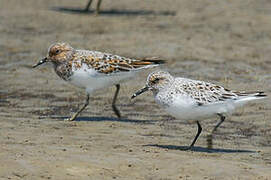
(63, 70)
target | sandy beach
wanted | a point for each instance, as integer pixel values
(223, 42)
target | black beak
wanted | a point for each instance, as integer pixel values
(140, 91)
(44, 60)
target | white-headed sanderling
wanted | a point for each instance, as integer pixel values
(194, 100)
(93, 70)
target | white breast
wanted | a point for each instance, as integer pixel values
(91, 80)
(185, 108)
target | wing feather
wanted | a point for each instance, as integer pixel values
(205, 93)
(107, 63)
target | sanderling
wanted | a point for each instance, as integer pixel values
(93, 70)
(194, 100)
(97, 7)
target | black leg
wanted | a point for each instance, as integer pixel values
(115, 109)
(210, 136)
(80, 110)
(88, 5)
(196, 137)
(222, 119)
(98, 6)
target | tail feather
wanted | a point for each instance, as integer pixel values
(260, 94)
(147, 62)
(154, 60)
(252, 94)
(245, 97)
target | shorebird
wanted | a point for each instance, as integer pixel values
(192, 100)
(93, 70)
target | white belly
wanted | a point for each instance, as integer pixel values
(186, 109)
(90, 80)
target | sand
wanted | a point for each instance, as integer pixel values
(224, 42)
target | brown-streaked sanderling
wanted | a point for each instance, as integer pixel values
(193, 100)
(97, 6)
(93, 70)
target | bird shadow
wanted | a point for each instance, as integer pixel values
(111, 119)
(200, 149)
(113, 12)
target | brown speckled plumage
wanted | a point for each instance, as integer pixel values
(104, 63)
(93, 70)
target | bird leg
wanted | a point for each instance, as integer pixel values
(196, 137)
(115, 109)
(88, 5)
(222, 119)
(98, 7)
(210, 136)
(80, 110)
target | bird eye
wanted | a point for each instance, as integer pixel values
(57, 51)
(156, 80)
